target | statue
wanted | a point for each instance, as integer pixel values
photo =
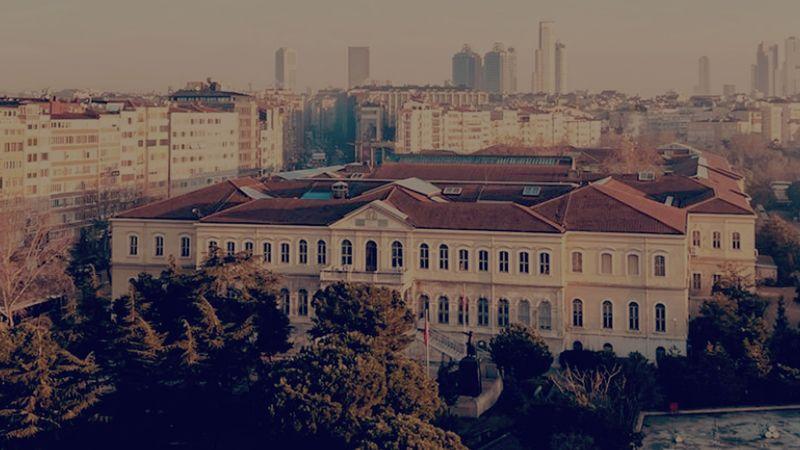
(469, 373)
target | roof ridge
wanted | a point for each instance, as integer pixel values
(629, 205)
(539, 217)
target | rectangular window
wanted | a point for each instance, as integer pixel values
(544, 263)
(697, 281)
(502, 264)
(159, 245)
(133, 248)
(577, 262)
(660, 266)
(633, 265)
(606, 264)
(424, 256)
(463, 260)
(444, 257)
(285, 253)
(524, 263)
(186, 249)
(716, 239)
(483, 261)
(322, 253)
(267, 252)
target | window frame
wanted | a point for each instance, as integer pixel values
(523, 262)
(545, 263)
(302, 251)
(541, 323)
(444, 257)
(424, 256)
(185, 242)
(611, 263)
(633, 316)
(662, 273)
(577, 313)
(607, 316)
(579, 255)
(322, 252)
(503, 261)
(397, 255)
(158, 245)
(660, 320)
(443, 310)
(133, 244)
(346, 252)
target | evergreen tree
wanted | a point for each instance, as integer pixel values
(376, 312)
(520, 353)
(42, 385)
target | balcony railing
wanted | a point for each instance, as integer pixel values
(350, 274)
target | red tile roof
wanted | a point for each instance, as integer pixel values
(612, 207)
(474, 172)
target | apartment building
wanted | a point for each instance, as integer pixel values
(204, 147)
(212, 94)
(590, 262)
(271, 134)
(465, 130)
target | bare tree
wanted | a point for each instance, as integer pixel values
(630, 156)
(589, 388)
(33, 258)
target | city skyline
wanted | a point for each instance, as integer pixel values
(602, 56)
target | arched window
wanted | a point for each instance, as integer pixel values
(230, 248)
(608, 348)
(371, 261)
(544, 263)
(133, 245)
(302, 302)
(716, 239)
(545, 315)
(285, 256)
(483, 261)
(213, 247)
(463, 310)
(397, 254)
(577, 262)
(286, 305)
(186, 246)
(267, 248)
(606, 264)
(502, 261)
(463, 260)
(577, 313)
(633, 316)
(483, 312)
(444, 257)
(524, 312)
(696, 240)
(660, 353)
(302, 251)
(524, 262)
(502, 313)
(577, 346)
(736, 241)
(322, 252)
(444, 310)
(424, 256)
(660, 266)
(248, 247)
(158, 248)
(347, 253)
(661, 318)
(424, 306)
(608, 314)
(633, 264)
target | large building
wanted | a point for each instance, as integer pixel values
(791, 67)
(561, 86)
(212, 94)
(475, 243)
(467, 69)
(765, 73)
(544, 72)
(422, 126)
(357, 66)
(286, 69)
(703, 76)
(499, 70)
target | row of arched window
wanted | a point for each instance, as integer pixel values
(716, 240)
(464, 260)
(632, 264)
(299, 308)
(184, 250)
(607, 315)
(457, 312)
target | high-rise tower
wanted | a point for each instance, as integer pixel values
(286, 69)
(357, 66)
(561, 68)
(703, 76)
(467, 68)
(544, 72)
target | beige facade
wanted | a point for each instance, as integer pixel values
(204, 147)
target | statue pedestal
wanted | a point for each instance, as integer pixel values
(469, 377)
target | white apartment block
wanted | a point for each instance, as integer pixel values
(426, 127)
(203, 147)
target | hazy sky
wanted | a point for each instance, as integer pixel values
(644, 46)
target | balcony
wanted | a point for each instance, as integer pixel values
(396, 278)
